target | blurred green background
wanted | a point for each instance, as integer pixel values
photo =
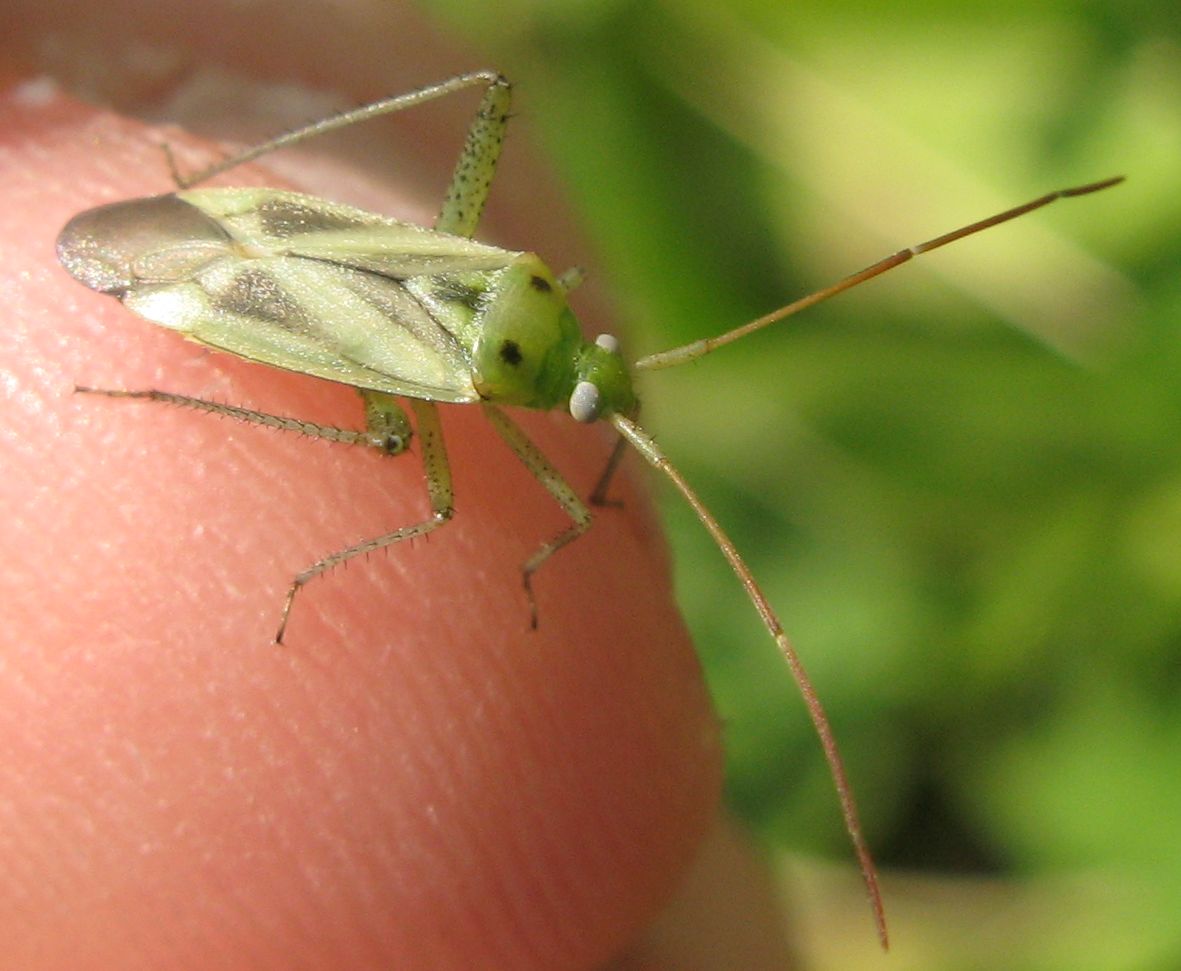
(961, 484)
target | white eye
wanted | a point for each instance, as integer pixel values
(608, 343)
(586, 402)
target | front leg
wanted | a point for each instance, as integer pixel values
(554, 484)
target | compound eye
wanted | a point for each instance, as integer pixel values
(608, 342)
(586, 402)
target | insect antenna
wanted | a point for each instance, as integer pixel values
(644, 444)
(699, 348)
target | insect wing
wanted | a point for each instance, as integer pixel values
(295, 282)
(316, 318)
(293, 224)
(341, 293)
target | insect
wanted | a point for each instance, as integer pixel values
(401, 312)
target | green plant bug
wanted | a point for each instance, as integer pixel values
(399, 311)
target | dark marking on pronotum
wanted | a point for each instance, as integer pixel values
(510, 353)
(540, 284)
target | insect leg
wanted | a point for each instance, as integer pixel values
(438, 481)
(598, 496)
(571, 278)
(391, 433)
(385, 106)
(476, 165)
(386, 425)
(557, 487)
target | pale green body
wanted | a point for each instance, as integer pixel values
(325, 289)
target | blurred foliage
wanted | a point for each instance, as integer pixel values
(960, 484)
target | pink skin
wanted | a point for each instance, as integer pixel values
(415, 779)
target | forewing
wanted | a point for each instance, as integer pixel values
(272, 222)
(315, 317)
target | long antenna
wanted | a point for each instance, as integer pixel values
(643, 443)
(688, 352)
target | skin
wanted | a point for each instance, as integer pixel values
(415, 779)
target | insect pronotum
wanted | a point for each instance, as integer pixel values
(427, 315)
